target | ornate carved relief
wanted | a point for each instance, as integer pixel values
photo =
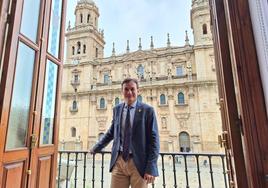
(164, 123)
(191, 91)
(76, 71)
(184, 116)
(93, 98)
(139, 55)
(183, 125)
(102, 122)
(109, 97)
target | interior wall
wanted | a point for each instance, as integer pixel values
(259, 18)
(4, 10)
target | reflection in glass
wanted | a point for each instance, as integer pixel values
(184, 141)
(106, 78)
(179, 71)
(139, 98)
(102, 103)
(54, 28)
(162, 99)
(180, 98)
(21, 98)
(30, 16)
(140, 71)
(48, 110)
(117, 101)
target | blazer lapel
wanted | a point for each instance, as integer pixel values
(120, 116)
(138, 113)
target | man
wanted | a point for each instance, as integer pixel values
(136, 141)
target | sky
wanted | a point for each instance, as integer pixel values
(124, 20)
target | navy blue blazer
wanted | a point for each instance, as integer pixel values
(144, 141)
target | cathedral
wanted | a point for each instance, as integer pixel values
(178, 81)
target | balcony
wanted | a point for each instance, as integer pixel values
(75, 82)
(190, 170)
(73, 109)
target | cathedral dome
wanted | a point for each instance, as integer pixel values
(86, 1)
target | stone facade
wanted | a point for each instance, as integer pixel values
(179, 82)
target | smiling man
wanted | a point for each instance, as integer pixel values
(136, 141)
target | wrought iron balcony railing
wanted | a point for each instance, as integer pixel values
(75, 82)
(80, 169)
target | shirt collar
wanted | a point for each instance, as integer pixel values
(133, 105)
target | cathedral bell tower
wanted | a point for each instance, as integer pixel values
(85, 42)
(203, 44)
(200, 22)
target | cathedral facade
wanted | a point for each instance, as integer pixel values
(178, 81)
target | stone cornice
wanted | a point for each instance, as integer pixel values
(85, 29)
(195, 8)
(89, 7)
(148, 54)
(203, 46)
(70, 65)
(116, 88)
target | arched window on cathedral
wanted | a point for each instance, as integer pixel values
(88, 18)
(97, 53)
(106, 78)
(81, 18)
(205, 30)
(179, 71)
(95, 21)
(162, 99)
(84, 48)
(139, 98)
(102, 103)
(78, 47)
(181, 98)
(184, 142)
(140, 71)
(73, 50)
(74, 106)
(73, 132)
(116, 101)
(76, 78)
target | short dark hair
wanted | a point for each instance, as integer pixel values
(127, 80)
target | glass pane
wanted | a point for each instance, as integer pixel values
(21, 98)
(181, 98)
(106, 78)
(54, 28)
(140, 70)
(179, 71)
(162, 99)
(184, 139)
(116, 101)
(48, 110)
(102, 103)
(30, 17)
(139, 98)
